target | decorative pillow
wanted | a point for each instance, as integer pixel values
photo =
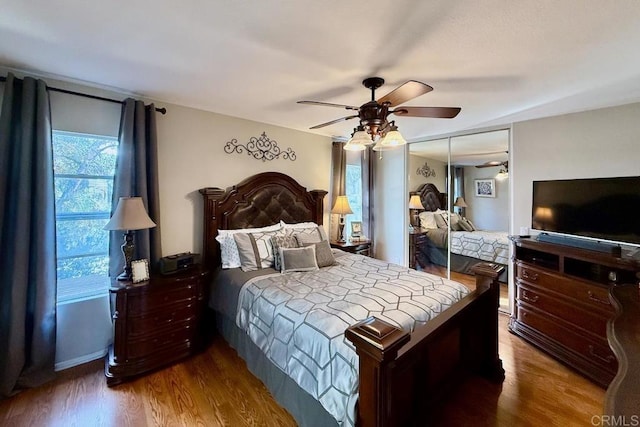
(298, 259)
(287, 240)
(230, 258)
(310, 235)
(324, 255)
(427, 220)
(466, 225)
(255, 249)
(456, 226)
(442, 219)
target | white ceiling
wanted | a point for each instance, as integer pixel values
(499, 60)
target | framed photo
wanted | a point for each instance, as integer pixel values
(139, 270)
(356, 228)
(485, 187)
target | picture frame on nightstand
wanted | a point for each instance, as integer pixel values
(139, 270)
(356, 229)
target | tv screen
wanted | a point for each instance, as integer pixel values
(599, 208)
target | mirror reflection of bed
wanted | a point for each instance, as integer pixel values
(444, 173)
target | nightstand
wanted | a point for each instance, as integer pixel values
(155, 322)
(362, 247)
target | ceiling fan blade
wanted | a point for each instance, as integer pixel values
(436, 112)
(405, 92)
(492, 164)
(328, 104)
(342, 119)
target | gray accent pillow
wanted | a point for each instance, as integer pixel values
(456, 226)
(466, 225)
(287, 240)
(298, 259)
(310, 235)
(324, 255)
(255, 249)
(441, 219)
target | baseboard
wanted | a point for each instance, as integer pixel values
(60, 366)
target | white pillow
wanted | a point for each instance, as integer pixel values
(230, 258)
(255, 249)
(427, 220)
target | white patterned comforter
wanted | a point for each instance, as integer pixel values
(299, 319)
(492, 246)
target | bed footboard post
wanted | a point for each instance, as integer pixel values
(377, 344)
(486, 339)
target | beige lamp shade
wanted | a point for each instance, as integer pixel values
(415, 202)
(460, 203)
(130, 214)
(341, 206)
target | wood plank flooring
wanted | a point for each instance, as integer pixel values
(215, 388)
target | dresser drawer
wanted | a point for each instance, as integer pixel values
(592, 350)
(161, 320)
(593, 296)
(139, 304)
(183, 333)
(590, 321)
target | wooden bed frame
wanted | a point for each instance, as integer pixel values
(401, 374)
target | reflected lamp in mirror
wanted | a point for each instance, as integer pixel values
(415, 206)
(460, 204)
(342, 208)
(130, 215)
(542, 217)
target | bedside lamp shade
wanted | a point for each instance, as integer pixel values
(460, 203)
(129, 215)
(415, 202)
(342, 208)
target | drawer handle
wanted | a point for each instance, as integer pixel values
(606, 359)
(593, 297)
(527, 298)
(531, 276)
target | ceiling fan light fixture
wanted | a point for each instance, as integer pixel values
(503, 174)
(393, 138)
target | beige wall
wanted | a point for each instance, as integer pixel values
(487, 213)
(416, 180)
(591, 144)
(191, 156)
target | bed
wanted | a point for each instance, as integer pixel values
(468, 248)
(399, 372)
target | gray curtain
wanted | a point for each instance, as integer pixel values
(137, 175)
(368, 162)
(27, 236)
(338, 181)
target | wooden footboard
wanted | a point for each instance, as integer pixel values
(402, 375)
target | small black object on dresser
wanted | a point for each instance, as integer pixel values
(174, 263)
(156, 322)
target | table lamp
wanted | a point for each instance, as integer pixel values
(460, 204)
(415, 205)
(129, 215)
(342, 208)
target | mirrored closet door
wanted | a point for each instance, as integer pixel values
(462, 218)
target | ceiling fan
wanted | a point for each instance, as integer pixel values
(373, 114)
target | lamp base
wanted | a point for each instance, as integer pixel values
(124, 277)
(127, 251)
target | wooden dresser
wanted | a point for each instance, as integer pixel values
(562, 303)
(155, 323)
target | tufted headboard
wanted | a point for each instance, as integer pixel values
(258, 201)
(431, 198)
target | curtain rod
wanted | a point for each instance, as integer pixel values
(86, 95)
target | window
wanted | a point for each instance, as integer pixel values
(353, 189)
(84, 167)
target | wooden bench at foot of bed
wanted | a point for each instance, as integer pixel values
(402, 375)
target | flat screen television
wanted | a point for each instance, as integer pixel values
(606, 209)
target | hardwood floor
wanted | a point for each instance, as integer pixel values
(215, 388)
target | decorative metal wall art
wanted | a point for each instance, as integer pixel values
(261, 148)
(426, 171)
